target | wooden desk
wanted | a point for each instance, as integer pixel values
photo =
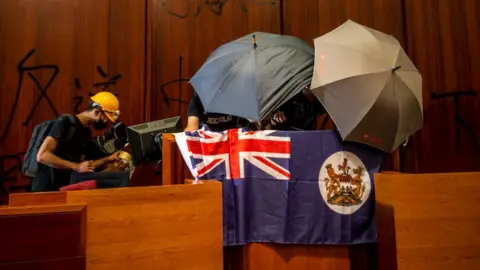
(169, 227)
(428, 221)
(43, 237)
(174, 171)
(273, 256)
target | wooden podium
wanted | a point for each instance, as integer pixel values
(160, 227)
(259, 256)
(428, 221)
(43, 237)
(425, 222)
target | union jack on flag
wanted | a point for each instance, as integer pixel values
(236, 154)
(257, 207)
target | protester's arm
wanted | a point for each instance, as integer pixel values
(102, 161)
(93, 152)
(193, 123)
(46, 156)
(194, 110)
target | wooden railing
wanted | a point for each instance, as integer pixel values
(272, 256)
(145, 228)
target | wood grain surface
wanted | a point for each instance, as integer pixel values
(176, 227)
(171, 227)
(43, 237)
(428, 221)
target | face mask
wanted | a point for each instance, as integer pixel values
(100, 125)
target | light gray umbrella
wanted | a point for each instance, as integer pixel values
(254, 75)
(368, 85)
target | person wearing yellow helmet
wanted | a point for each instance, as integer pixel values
(69, 140)
(107, 106)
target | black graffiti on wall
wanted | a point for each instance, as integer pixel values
(23, 70)
(110, 80)
(8, 172)
(216, 6)
(179, 82)
(11, 164)
(459, 120)
(10, 167)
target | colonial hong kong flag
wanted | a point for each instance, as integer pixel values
(222, 155)
(303, 187)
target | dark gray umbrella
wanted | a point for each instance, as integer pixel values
(254, 75)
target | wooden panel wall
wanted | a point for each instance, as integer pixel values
(157, 45)
(311, 19)
(67, 43)
(443, 41)
(184, 33)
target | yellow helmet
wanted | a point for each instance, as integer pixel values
(109, 103)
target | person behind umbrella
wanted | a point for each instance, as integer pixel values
(197, 117)
(250, 76)
(299, 113)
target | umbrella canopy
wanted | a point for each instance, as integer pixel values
(368, 85)
(254, 75)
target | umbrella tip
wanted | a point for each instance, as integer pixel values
(396, 68)
(254, 40)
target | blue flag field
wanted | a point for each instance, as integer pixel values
(292, 187)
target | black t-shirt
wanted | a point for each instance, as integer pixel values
(214, 121)
(79, 144)
(301, 113)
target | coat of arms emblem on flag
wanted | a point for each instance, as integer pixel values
(287, 186)
(344, 183)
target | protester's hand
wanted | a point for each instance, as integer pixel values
(278, 118)
(85, 166)
(113, 157)
(120, 166)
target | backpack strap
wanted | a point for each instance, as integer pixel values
(71, 129)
